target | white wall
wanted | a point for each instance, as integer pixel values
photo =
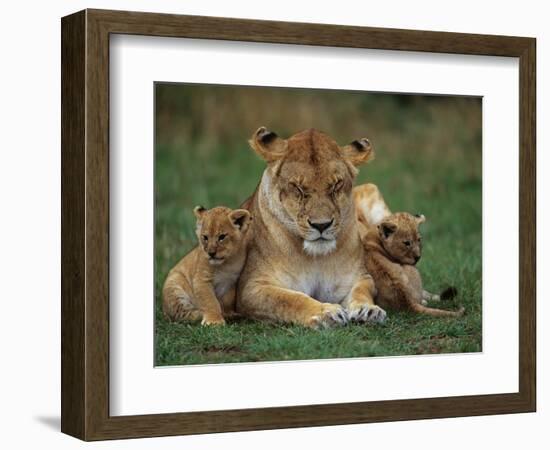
(30, 220)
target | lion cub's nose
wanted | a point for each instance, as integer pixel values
(212, 254)
(320, 226)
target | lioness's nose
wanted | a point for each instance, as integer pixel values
(320, 226)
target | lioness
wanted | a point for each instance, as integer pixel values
(305, 263)
(202, 285)
(393, 249)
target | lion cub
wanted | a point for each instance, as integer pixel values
(202, 285)
(393, 247)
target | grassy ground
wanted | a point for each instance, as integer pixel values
(428, 161)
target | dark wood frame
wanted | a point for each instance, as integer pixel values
(85, 224)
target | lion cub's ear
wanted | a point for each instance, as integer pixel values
(199, 211)
(387, 228)
(359, 152)
(420, 218)
(268, 145)
(240, 218)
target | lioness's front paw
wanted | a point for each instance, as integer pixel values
(331, 315)
(366, 313)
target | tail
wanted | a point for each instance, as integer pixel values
(448, 293)
(421, 309)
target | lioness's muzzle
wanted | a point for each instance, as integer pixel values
(320, 226)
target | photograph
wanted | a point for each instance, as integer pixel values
(300, 224)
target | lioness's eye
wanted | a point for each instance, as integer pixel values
(297, 190)
(221, 237)
(204, 237)
(407, 243)
(337, 186)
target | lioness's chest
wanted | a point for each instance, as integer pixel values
(331, 286)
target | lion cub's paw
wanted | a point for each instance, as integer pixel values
(332, 315)
(367, 313)
(212, 320)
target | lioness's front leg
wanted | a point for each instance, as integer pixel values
(228, 301)
(360, 302)
(285, 305)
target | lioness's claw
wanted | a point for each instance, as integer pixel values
(376, 314)
(367, 313)
(341, 316)
(331, 315)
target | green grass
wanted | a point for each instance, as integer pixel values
(428, 161)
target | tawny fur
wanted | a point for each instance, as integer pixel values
(295, 272)
(370, 210)
(370, 207)
(393, 247)
(202, 284)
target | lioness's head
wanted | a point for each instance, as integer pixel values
(308, 183)
(401, 238)
(221, 231)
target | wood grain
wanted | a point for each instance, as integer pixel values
(527, 224)
(85, 224)
(73, 226)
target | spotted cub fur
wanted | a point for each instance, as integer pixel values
(393, 247)
(202, 285)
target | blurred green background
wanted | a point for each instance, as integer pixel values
(428, 160)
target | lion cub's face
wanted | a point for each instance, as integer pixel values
(401, 238)
(221, 231)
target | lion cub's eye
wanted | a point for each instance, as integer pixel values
(407, 243)
(221, 237)
(204, 237)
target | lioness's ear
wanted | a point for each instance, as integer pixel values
(420, 218)
(387, 228)
(359, 152)
(267, 144)
(240, 218)
(199, 211)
